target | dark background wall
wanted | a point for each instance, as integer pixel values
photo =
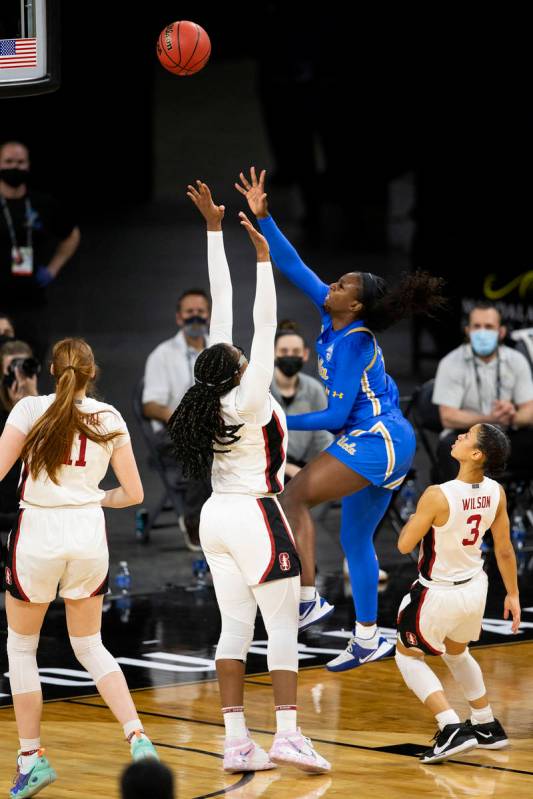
(347, 103)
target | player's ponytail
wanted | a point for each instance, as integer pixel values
(417, 293)
(49, 442)
(495, 446)
(196, 427)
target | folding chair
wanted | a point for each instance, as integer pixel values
(173, 494)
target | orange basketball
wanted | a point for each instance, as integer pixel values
(183, 48)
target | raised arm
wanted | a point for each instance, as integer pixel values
(253, 394)
(221, 326)
(284, 254)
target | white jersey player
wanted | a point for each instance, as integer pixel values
(229, 424)
(444, 609)
(66, 441)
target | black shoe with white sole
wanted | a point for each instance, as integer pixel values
(490, 735)
(454, 738)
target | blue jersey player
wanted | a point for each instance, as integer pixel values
(374, 444)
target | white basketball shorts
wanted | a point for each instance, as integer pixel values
(53, 548)
(429, 615)
(251, 532)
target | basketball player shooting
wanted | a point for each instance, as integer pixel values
(444, 608)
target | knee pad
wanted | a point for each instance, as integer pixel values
(417, 676)
(279, 601)
(93, 656)
(467, 672)
(22, 658)
(235, 640)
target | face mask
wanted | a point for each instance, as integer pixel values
(290, 365)
(15, 177)
(484, 342)
(195, 327)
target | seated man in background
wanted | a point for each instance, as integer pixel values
(297, 393)
(17, 380)
(484, 381)
(168, 374)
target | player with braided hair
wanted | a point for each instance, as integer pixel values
(229, 419)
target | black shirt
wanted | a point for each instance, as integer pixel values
(51, 224)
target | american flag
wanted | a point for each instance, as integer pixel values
(18, 53)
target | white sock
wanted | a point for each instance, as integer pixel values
(27, 762)
(447, 717)
(286, 718)
(366, 633)
(234, 722)
(135, 725)
(307, 593)
(481, 715)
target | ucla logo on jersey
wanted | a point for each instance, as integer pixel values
(322, 371)
(329, 353)
(349, 446)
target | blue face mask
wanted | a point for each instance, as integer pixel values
(484, 342)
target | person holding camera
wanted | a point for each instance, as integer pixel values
(18, 371)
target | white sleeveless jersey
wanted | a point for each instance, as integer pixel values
(84, 469)
(255, 464)
(453, 552)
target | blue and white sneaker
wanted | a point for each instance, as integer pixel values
(314, 610)
(357, 655)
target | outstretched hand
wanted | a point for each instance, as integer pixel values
(254, 191)
(201, 197)
(259, 241)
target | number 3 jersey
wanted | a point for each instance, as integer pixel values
(85, 467)
(452, 553)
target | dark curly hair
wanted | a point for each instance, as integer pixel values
(417, 293)
(196, 425)
(495, 446)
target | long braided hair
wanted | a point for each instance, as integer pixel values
(197, 426)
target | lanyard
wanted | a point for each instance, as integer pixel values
(11, 227)
(478, 379)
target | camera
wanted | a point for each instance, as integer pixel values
(28, 366)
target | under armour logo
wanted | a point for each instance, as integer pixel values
(338, 394)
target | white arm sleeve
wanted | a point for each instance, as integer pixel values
(221, 327)
(253, 393)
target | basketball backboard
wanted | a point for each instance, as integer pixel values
(29, 47)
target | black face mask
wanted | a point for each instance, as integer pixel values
(15, 177)
(195, 326)
(290, 365)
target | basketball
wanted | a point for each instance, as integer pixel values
(183, 48)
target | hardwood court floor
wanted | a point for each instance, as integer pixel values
(365, 721)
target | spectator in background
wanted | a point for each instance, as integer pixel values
(168, 374)
(7, 328)
(484, 381)
(14, 386)
(297, 393)
(37, 238)
(147, 779)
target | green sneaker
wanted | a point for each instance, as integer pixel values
(141, 747)
(41, 775)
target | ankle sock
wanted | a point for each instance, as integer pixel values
(307, 593)
(234, 722)
(447, 717)
(481, 715)
(286, 718)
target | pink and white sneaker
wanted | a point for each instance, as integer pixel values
(294, 749)
(243, 754)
